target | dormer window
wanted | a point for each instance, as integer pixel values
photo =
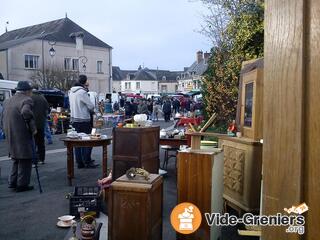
(164, 78)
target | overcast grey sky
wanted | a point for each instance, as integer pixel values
(153, 33)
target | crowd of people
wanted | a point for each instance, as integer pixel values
(154, 108)
(25, 125)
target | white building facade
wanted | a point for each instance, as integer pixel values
(145, 81)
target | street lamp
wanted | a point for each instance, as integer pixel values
(52, 52)
(83, 60)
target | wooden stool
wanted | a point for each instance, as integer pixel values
(167, 149)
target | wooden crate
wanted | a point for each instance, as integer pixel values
(135, 147)
(135, 209)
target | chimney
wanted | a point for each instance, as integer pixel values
(206, 56)
(78, 36)
(199, 56)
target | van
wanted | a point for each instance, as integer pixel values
(7, 89)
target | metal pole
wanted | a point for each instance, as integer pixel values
(35, 162)
(43, 74)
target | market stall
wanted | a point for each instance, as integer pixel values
(59, 121)
(111, 120)
(196, 121)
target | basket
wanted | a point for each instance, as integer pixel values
(85, 199)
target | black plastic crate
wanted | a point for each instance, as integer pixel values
(85, 199)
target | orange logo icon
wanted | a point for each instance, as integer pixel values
(186, 218)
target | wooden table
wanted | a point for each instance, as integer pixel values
(173, 142)
(70, 143)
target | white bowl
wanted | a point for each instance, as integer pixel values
(66, 218)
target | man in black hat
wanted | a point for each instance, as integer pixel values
(19, 127)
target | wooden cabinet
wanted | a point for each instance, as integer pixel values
(242, 173)
(135, 209)
(251, 98)
(135, 147)
(199, 181)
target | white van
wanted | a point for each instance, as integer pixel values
(7, 89)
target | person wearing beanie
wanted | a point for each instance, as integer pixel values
(81, 109)
(19, 127)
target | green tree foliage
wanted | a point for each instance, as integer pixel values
(238, 37)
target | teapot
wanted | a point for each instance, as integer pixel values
(88, 227)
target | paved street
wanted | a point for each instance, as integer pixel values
(30, 215)
(33, 216)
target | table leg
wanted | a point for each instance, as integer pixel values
(104, 160)
(70, 164)
(62, 127)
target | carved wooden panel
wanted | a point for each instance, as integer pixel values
(233, 176)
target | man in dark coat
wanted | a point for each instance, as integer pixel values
(19, 127)
(176, 105)
(188, 105)
(128, 109)
(134, 106)
(142, 107)
(40, 112)
(166, 108)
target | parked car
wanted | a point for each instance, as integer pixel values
(55, 97)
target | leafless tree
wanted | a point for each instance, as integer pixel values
(220, 12)
(55, 77)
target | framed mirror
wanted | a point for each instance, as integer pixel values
(248, 104)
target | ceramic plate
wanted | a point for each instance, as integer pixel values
(65, 225)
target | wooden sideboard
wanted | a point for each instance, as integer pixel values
(135, 147)
(242, 172)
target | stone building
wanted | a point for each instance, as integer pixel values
(190, 79)
(59, 45)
